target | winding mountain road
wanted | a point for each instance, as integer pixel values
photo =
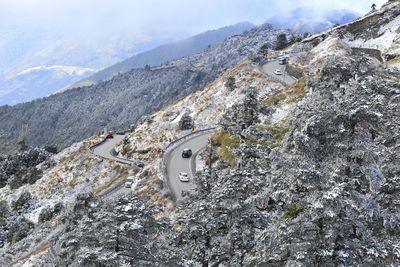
(176, 164)
(270, 67)
(104, 149)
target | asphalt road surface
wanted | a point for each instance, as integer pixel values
(270, 67)
(104, 150)
(177, 164)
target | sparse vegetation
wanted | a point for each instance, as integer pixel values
(274, 100)
(48, 213)
(126, 150)
(278, 130)
(225, 142)
(292, 211)
(22, 201)
(254, 140)
(230, 83)
(297, 91)
(293, 94)
(4, 211)
(19, 230)
(120, 173)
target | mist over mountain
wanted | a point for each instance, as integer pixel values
(167, 52)
(311, 20)
(50, 64)
(35, 63)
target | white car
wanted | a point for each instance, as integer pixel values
(278, 72)
(129, 182)
(183, 177)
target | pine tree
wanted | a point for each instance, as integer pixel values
(281, 41)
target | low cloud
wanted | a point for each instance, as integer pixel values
(152, 16)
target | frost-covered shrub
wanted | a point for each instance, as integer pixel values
(48, 213)
(19, 230)
(19, 169)
(30, 177)
(186, 122)
(230, 83)
(22, 201)
(4, 211)
(292, 211)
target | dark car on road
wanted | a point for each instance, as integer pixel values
(282, 61)
(109, 136)
(186, 153)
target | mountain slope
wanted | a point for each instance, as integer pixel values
(300, 175)
(75, 114)
(168, 52)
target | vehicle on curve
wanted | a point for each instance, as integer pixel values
(278, 72)
(282, 61)
(183, 177)
(129, 182)
(109, 136)
(186, 153)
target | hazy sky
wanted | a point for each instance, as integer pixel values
(144, 16)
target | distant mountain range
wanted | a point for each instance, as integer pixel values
(121, 101)
(35, 64)
(50, 64)
(311, 20)
(167, 52)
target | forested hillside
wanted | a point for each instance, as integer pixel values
(75, 114)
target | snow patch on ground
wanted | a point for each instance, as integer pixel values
(68, 70)
(330, 46)
(200, 164)
(281, 113)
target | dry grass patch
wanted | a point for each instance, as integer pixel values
(121, 172)
(170, 115)
(394, 61)
(151, 191)
(225, 142)
(293, 94)
(109, 183)
(38, 251)
(278, 130)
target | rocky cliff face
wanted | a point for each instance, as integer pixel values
(301, 175)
